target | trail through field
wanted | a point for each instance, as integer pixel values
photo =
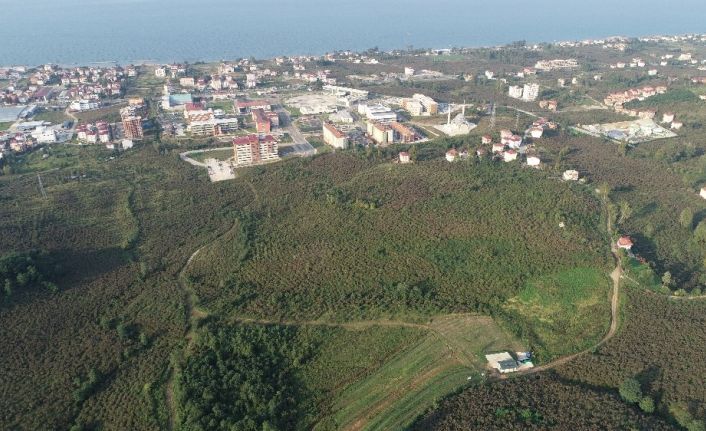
(193, 314)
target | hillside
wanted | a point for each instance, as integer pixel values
(329, 247)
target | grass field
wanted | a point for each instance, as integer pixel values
(55, 117)
(219, 154)
(567, 311)
(5, 126)
(110, 114)
(411, 382)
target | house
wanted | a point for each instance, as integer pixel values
(451, 155)
(570, 175)
(533, 161)
(676, 125)
(510, 155)
(503, 362)
(515, 141)
(536, 132)
(702, 193)
(404, 157)
(486, 139)
(668, 117)
(498, 148)
(625, 242)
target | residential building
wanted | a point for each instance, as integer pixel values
(515, 91)
(132, 128)
(402, 133)
(510, 155)
(702, 193)
(381, 133)
(625, 242)
(334, 137)
(533, 161)
(530, 92)
(451, 155)
(243, 107)
(254, 149)
(404, 157)
(214, 127)
(187, 81)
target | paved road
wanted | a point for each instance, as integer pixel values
(301, 146)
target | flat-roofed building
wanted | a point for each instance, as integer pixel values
(214, 127)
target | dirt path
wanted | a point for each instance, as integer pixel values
(193, 315)
(615, 276)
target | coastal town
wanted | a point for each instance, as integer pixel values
(437, 238)
(298, 106)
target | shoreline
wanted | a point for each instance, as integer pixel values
(156, 61)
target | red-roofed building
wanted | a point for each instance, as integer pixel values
(245, 106)
(625, 242)
(253, 149)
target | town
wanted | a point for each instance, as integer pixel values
(292, 106)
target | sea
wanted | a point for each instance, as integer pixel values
(81, 32)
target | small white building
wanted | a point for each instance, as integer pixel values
(515, 91)
(702, 193)
(533, 161)
(571, 175)
(676, 125)
(668, 117)
(451, 155)
(536, 132)
(503, 362)
(510, 156)
(498, 147)
(127, 144)
(404, 157)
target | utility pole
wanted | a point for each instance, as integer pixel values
(41, 186)
(492, 116)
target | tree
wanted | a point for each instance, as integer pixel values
(604, 191)
(630, 390)
(686, 218)
(647, 404)
(667, 279)
(625, 212)
(700, 233)
(413, 153)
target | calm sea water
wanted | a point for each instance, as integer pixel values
(84, 31)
